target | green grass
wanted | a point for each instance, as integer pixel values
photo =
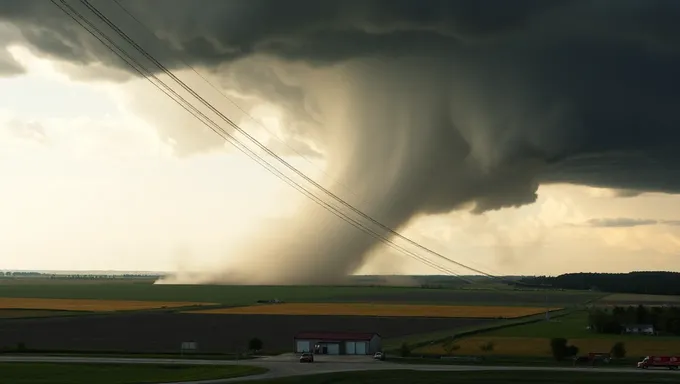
(571, 326)
(47, 373)
(489, 377)
(243, 295)
(187, 356)
(518, 361)
(433, 337)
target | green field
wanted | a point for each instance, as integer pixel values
(245, 295)
(635, 299)
(45, 373)
(228, 295)
(571, 326)
(492, 377)
(533, 340)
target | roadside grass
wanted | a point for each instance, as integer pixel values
(174, 356)
(486, 377)
(506, 361)
(49, 373)
(534, 346)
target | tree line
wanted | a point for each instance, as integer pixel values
(655, 283)
(83, 276)
(613, 320)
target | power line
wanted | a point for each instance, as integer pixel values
(232, 140)
(235, 104)
(230, 100)
(135, 65)
(270, 152)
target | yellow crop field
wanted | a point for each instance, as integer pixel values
(385, 310)
(536, 346)
(89, 305)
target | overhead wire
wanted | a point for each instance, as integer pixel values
(269, 151)
(241, 147)
(135, 65)
(235, 104)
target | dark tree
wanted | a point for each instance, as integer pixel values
(487, 347)
(561, 350)
(255, 344)
(618, 350)
(658, 283)
(641, 315)
(450, 346)
(405, 350)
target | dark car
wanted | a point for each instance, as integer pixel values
(306, 358)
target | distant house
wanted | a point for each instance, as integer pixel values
(639, 329)
(338, 343)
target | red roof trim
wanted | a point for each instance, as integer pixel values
(335, 336)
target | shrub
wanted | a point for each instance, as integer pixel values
(255, 344)
(560, 349)
(450, 346)
(405, 350)
(487, 347)
(618, 350)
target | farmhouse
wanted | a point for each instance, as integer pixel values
(338, 343)
(646, 329)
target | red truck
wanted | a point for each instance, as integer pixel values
(670, 362)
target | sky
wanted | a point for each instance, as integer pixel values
(99, 170)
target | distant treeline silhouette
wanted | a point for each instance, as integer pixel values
(85, 276)
(656, 283)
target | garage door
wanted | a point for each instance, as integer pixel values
(351, 347)
(361, 348)
(302, 346)
(333, 349)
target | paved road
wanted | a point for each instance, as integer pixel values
(286, 366)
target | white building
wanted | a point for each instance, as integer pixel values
(338, 343)
(642, 329)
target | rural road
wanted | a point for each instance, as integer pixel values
(288, 366)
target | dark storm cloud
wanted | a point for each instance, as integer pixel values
(219, 30)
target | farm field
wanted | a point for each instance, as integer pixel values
(385, 310)
(245, 295)
(160, 332)
(46, 373)
(24, 313)
(90, 305)
(638, 299)
(534, 340)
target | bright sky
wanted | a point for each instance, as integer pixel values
(86, 183)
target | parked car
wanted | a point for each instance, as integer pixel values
(379, 356)
(307, 357)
